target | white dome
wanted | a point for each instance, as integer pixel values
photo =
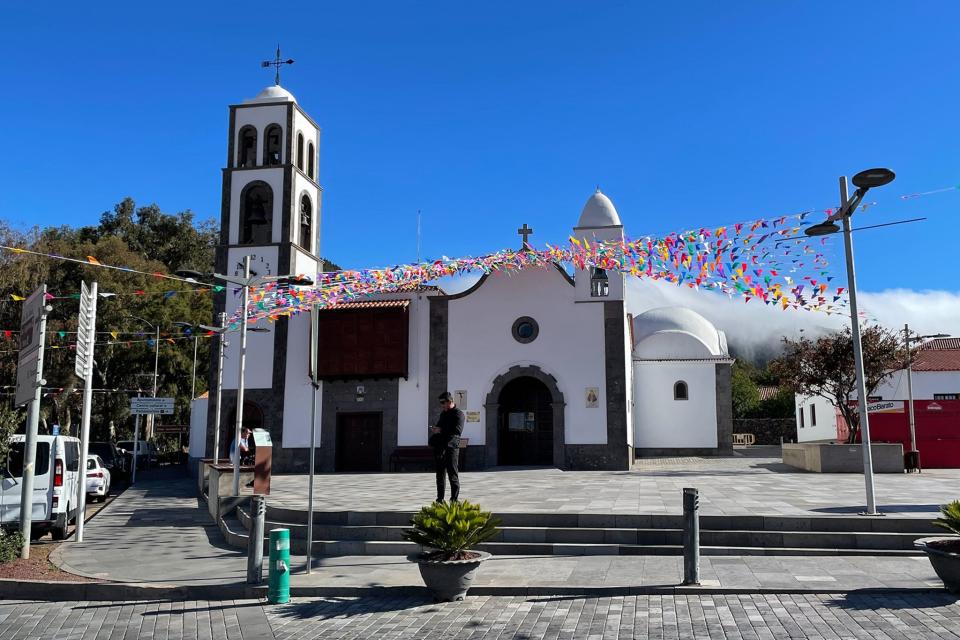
(676, 332)
(599, 212)
(273, 93)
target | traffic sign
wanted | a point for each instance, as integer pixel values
(147, 406)
(171, 428)
(31, 343)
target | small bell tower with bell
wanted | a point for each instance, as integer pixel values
(270, 211)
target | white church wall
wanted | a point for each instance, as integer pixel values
(260, 117)
(628, 348)
(412, 417)
(664, 423)
(259, 366)
(272, 177)
(297, 392)
(569, 346)
(673, 344)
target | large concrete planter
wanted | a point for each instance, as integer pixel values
(842, 458)
(448, 580)
(945, 562)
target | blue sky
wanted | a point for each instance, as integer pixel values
(492, 115)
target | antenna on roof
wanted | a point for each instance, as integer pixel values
(418, 236)
(276, 62)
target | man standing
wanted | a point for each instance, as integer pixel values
(244, 446)
(445, 440)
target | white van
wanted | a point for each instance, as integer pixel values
(54, 484)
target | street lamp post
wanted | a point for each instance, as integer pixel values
(864, 181)
(156, 362)
(913, 457)
(246, 282)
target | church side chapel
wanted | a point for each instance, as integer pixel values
(550, 367)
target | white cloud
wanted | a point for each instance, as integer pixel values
(754, 329)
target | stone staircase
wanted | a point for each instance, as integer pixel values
(340, 533)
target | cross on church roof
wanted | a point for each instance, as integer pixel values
(276, 62)
(526, 232)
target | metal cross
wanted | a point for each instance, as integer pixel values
(276, 62)
(526, 232)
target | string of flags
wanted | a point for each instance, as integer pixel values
(151, 342)
(769, 260)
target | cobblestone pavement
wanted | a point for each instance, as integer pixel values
(892, 616)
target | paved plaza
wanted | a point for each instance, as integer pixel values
(728, 486)
(905, 616)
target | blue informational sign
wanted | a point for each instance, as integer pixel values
(56, 429)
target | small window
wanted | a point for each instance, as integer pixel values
(272, 146)
(801, 417)
(306, 223)
(680, 391)
(300, 151)
(247, 147)
(15, 461)
(946, 396)
(72, 452)
(813, 415)
(310, 161)
(525, 330)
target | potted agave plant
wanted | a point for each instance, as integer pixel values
(944, 551)
(446, 531)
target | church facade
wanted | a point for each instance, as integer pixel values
(550, 366)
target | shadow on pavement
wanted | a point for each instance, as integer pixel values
(883, 508)
(332, 607)
(871, 601)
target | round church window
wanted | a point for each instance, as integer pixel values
(525, 329)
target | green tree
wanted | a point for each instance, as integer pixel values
(746, 396)
(824, 367)
(144, 239)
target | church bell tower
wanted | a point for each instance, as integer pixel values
(270, 211)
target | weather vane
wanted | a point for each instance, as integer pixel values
(277, 63)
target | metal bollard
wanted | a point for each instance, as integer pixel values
(691, 536)
(258, 513)
(278, 591)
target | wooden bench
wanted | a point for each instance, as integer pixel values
(423, 455)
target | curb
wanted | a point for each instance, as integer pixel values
(131, 591)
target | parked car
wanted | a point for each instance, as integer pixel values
(113, 459)
(98, 479)
(146, 452)
(55, 479)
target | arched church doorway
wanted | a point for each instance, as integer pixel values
(525, 423)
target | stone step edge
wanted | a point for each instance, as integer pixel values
(300, 528)
(239, 539)
(837, 523)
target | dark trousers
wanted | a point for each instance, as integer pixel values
(445, 461)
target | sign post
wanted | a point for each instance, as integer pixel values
(86, 335)
(145, 406)
(33, 328)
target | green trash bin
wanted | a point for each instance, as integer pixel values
(278, 591)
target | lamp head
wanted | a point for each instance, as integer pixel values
(873, 178)
(822, 229)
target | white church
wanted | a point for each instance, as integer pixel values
(549, 366)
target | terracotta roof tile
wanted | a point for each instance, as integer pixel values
(937, 360)
(370, 304)
(942, 343)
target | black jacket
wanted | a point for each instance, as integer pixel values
(451, 427)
